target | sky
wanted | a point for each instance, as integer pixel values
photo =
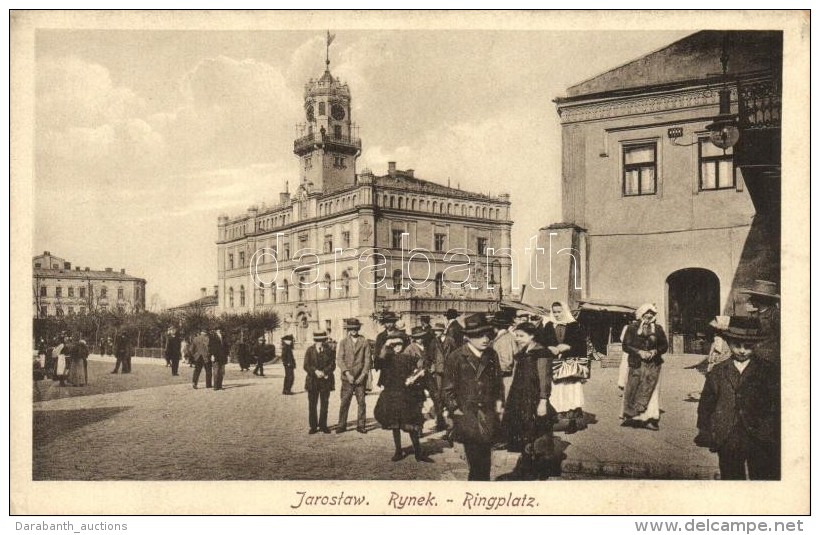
(143, 138)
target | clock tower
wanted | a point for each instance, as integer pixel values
(327, 145)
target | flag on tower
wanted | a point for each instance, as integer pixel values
(330, 37)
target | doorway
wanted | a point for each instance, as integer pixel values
(693, 301)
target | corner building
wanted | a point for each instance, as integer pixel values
(343, 245)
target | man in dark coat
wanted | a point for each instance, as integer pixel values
(288, 363)
(202, 358)
(121, 353)
(319, 382)
(218, 348)
(454, 329)
(173, 351)
(473, 394)
(739, 409)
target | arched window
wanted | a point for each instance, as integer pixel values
(345, 284)
(413, 204)
(328, 286)
(242, 296)
(463, 210)
(353, 201)
(321, 108)
(441, 208)
(397, 278)
(285, 291)
(273, 292)
(439, 283)
(230, 297)
(401, 199)
(392, 200)
(449, 207)
(435, 205)
(301, 288)
(262, 295)
(498, 213)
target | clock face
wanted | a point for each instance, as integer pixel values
(310, 114)
(338, 112)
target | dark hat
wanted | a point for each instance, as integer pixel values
(418, 332)
(424, 317)
(451, 313)
(762, 288)
(439, 327)
(389, 317)
(319, 336)
(476, 324)
(287, 337)
(352, 324)
(743, 329)
(502, 319)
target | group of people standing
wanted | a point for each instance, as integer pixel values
(66, 360)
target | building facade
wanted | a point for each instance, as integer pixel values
(60, 290)
(350, 244)
(653, 211)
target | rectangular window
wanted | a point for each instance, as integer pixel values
(43, 291)
(120, 293)
(71, 291)
(286, 256)
(58, 292)
(481, 245)
(640, 169)
(438, 243)
(241, 259)
(346, 238)
(716, 168)
(103, 292)
(59, 311)
(329, 243)
(337, 131)
(82, 292)
(43, 311)
(397, 238)
(230, 260)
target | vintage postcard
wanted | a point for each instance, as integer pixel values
(367, 262)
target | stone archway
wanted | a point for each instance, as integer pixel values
(693, 300)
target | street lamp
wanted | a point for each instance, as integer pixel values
(724, 132)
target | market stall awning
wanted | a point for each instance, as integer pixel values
(517, 305)
(603, 305)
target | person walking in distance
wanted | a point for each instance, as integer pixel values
(473, 395)
(319, 381)
(262, 353)
(202, 358)
(120, 351)
(353, 356)
(173, 350)
(218, 349)
(289, 364)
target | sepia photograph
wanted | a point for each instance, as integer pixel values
(365, 262)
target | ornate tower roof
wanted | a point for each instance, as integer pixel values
(326, 86)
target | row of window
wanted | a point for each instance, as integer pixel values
(70, 310)
(439, 242)
(640, 168)
(284, 294)
(58, 292)
(438, 280)
(436, 207)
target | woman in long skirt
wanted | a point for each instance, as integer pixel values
(400, 402)
(78, 368)
(565, 340)
(528, 415)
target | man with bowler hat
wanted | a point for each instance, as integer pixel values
(289, 363)
(765, 300)
(319, 381)
(739, 409)
(454, 329)
(353, 356)
(473, 395)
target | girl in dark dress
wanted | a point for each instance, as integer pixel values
(528, 415)
(400, 402)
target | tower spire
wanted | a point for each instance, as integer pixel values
(330, 38)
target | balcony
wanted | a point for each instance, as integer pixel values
(342, 144)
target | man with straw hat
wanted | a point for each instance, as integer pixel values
(739, 409)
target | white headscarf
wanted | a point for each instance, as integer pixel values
(566, 315)
(644, 308)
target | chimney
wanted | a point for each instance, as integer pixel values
(76, 268)
(284, 197)
(67, 266)
(122, 271)
(216, 291)
(109, 270)
(88, 269)
(204, 291)
(46, 253)
(410, 172)
(391, 168)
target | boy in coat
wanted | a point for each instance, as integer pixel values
(739, 409)
(319, 382)
(473, 395)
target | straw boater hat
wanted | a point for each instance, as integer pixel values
(743, 329)
(476, 325)
(352, 324)
(451, 313)
(762, 288)
(418, 332)
(319, 336)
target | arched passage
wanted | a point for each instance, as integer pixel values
(693, 301)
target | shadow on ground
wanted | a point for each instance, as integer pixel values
(49, 424)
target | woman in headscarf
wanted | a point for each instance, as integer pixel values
(78, 368)
(644, 343)
(566, 341)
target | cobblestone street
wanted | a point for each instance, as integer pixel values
(151, 426)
